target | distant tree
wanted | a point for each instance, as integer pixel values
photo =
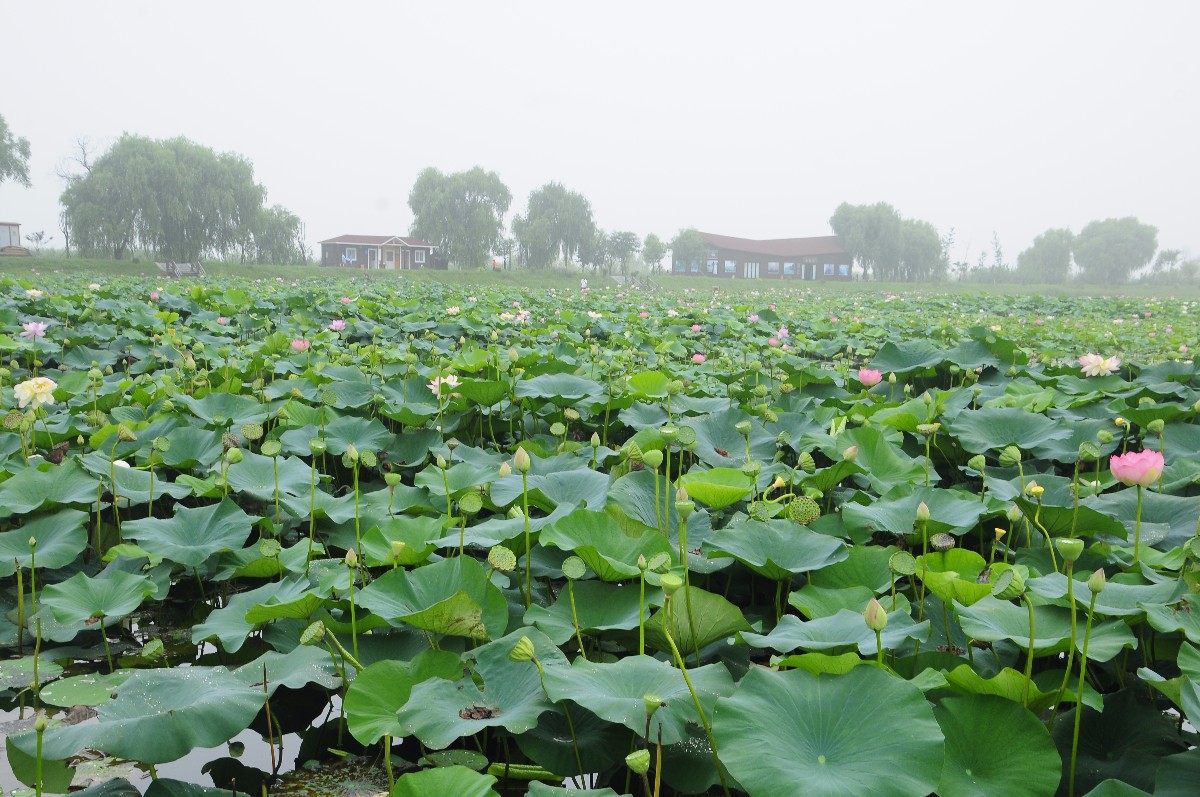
(463, 213)
(277, 237)
(688, 247)
(14, 156)
(1109, 251)
(69, 170)
(922, 256)
(1048, 259)
(534, 242)
(595, 253)
(873, 235)
(624, 245)
(174, 198)
(563, 217)
(653, 251)
(37, 240)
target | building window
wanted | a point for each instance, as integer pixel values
(419, 256)
(391, 256)
(829, 269)
(730, 266)
(772, 268)
(695, 267)
(789, 268)
(712, 266)
(844, 270)
(679, 265)
(351, 253)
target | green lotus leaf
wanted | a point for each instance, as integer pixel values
(991, 620)
(718, 487)
(776, 549)
(697, 618)
(992, 428)
(954, 575)
(109, 596)
(452, 597)
(649, 385)
(365, 434)
(18, 673)
(845, 629)
(256, 475)
(88, 689)
(379, 691)
(46, 485)
(60, 536)
(193, 535)
(829, 735)
(597, 539)
(456, 780)
(230, 409)
(1008, 684)
(297, 668)
(549, 743)
(563, 390)
(579, 487)
(600, 606)
(1030, 767)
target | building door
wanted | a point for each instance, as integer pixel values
(751, 271)
(372, 258)
(808, 271)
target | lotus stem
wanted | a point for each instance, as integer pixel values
(270, 724)
(642, 614)
(387, 761)
(39, 727)
(107, 649)
(1029, 653)
(1137, 530)
(1037, 521)
(528, 544)
(1087, 634)
(1070, 652)
(20, 606)
(312, 513)
(575, 618)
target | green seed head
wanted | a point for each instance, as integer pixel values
(652, 702)
(271, 448)
(802, 510)
(502, 558)
(638, 761)
(977, 463)
(1155, 426)
(523, 651)
(652, 459)
(1069, 548)
(670, 583)
(1010, 456)
(806, 462)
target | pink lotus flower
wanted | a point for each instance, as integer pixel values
(753, 318)
(450, 381)
(300, 345)
(1137, 468)
(34, 330)
(337, 325)
(869, 377)
(698, 358)
(1095, 365)
(783, 332)
(346, 300)
(222, 320)
(696, 327)
(154, 296)
(773, 341)
(643, 314)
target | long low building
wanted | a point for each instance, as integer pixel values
(819, 258)
(379, 251)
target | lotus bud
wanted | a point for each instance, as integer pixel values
(351, 558)
(595, 441)
(233, 456)
(638, 761)
(523, 651)
(642, 564)
(892, 378)
(1097, 581)
(1069, 548)
(32, 542)
(806, 462)
(1104, 437)
(505, 469)
(1034, 490)
(977, 462)
(850, 453)
(942, 541)
(922, 512)
(440, 462)
(1121, 422)
(1013, 513)
(521, 461)
(1155, 426)
(875, 616)
(927, 398)
(391, 479)
(40, 724)
(352, 453)
(1010, 456)
(653, 458)
(397, 549)
(316, 446)
(652, 702)
(670, 583)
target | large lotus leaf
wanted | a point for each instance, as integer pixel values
(380, 690)
(1065, 521)
(60, 536)
(1177, 512)
(339, 509)
(954, 575)
(866, 565)
(993, 428)
(459, 477)
(226, 410)
(846, 629)
(483, 392)
(597, 539)
(991, 620)
(1008, 684)
(264, 561)
(813, 601)
(539, 789)
(365, 434)
(650, 385)
(1183, 617)
(228, 623)
(563, 390)
(776, 549)
(133, 485)
(52, 485)
(111, 596)
(552, 742)
(1030, 766)
(347, 395)
(829, 735)
(256, 475)
(501, 529)
(159, 716)
(908, 355)
(600, 606)
(414, 531)
(192, 447)
(192, 535)
(577, 487)
(300, 606)
(500, 692)
(88, 689)
(950, 511)
(18, 673)
(615, 692)
(697, 618)
(456, 780)
(720, 445)
(1127, 741)
(1177, 775)
(451, 597)
(1117, 600)
(886, 465)
(297, 668)
(718, 487)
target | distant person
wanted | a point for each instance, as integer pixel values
(583, 284)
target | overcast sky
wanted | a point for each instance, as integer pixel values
(752, 119)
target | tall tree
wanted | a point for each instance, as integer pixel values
(14, 156)
(624, 245)
(463, 213)
(564, 217)
(1109, 251)
(874, 237)
(653, 251)
(278, 238)
(688, 247)
(596, 252)
(1048, 259)
(174, 198)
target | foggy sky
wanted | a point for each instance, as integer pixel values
(753, 120)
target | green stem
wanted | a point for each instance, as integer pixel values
(1137, 529)
(528, 544)
(1087, 634)
(107, 650)
(642, 615)
(575, 619)
(1070, 651)
(1029, 655)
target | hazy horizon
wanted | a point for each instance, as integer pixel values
(753, 122)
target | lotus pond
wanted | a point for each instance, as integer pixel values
(384, 536)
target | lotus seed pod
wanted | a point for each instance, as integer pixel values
(633, 452)
(397, 548)
(922, 512)
(670, 433)
(902, 563)
(1010, 456)
(1069, 548)
(652, 703)
(638, 761)
(125, 434)
(802, 510)
(659, 562)
(233, 456)
(977, 462)
(251, 431)
(573, 568)
(571, 414)
(595, 441)
(502, 558)
(230, 440)
(521, 461)
(316, 446)
(942, 541)
(751, 468)
(769, 416)
(806, 462)
(685, 509)
(652, 458)
(1034, 490)
(670, 583)
(928, 429)
(760, 510)
(1008, 584)
(1088, 451)
(1155, 426)
(505, 469)
(314, 634)
(875, 615)
(743, 428)
(522, 651)
(850, 453)
(557, 429)
(1097, 581)
(271, 448)
(1104, 437)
